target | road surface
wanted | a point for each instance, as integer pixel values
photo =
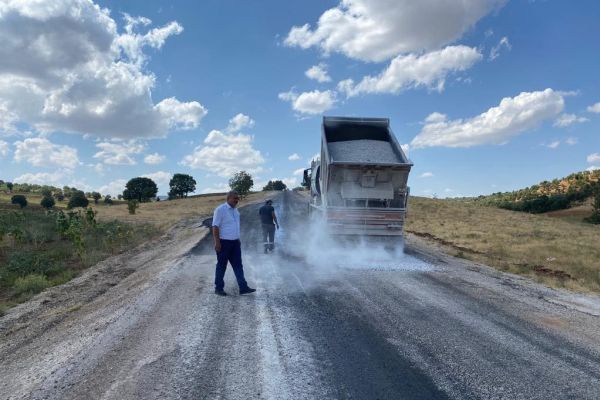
(325, 323)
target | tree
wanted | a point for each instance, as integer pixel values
(78, 199)
(46, 192)
(241, 182)
(595, 217)
(20, 200)
(275, 185)
(47, 202)
(96, 196)
(59, 195)
(9, 185)
(108, 200)
(140, 189)
(181, 185)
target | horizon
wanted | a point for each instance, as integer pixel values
(485, 96)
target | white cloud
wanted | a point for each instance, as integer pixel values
(299, 172)
(594, 108)
(593, 158)
(293, 157)
(592, 168)
(3, 148)
(154, 159)
(40, 152)
(376, 30)
(161, 178)
(180, 115)
(571, 141)
(119, 153)
(554, 144)
(495, 51)
(225, 154)
(239, 122)
(315, 102)
(565, 120)
(495, 126)
(65, 67)
(405, 148)
(318, 73)
(218, 188)
(411, 71)
(113, 188)
(426, 175)
(43, 178)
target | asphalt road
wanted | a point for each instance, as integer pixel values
(326, 323)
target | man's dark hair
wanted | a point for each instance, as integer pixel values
(232, 193)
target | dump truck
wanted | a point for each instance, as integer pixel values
(358, 186)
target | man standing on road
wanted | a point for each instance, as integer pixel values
(226, 232)
(268, 220)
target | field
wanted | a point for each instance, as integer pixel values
(557, 249)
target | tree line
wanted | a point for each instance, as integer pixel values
(137, 190)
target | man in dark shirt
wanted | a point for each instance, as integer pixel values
(268, 220)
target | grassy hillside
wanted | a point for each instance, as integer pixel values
(556, 250)
(546, 196)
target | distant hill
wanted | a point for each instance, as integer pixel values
(558, 194)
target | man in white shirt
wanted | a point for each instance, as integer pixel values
(226, 233)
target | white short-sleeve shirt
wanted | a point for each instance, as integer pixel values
(227, 218)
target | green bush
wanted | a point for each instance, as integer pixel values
(78, 199)
(47, 202)
(20, 200)
(31, 284)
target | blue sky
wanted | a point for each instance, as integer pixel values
(485, 95)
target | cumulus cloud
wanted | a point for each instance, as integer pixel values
(161, 178)
(239, 122)
(225, 154)
(65, 67)
(426, 175)
(43, 178)
(377, 30)
(293, 157)
(592, 168)
(405, 71)
(593, 158)
(218, 188)
(495, 51)
(40, 152)
(154, 159)
(318, 73)
(298, 172)
(315, 102)
(554, 144)
(594, 108)
(119, 153)
(571, 141)
(113, 188)
(495, 126)
(3, 148)
(565, 120)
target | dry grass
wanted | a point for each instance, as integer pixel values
(535, 245)
(163, 214)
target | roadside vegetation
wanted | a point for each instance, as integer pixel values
(42, 248)
(557, 250)
(546, 196)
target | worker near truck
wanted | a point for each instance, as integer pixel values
(226, 234)
(268, 221)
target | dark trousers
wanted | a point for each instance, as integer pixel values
(231, 251)
(268, 235)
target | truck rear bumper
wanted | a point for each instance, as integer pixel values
(363, 221)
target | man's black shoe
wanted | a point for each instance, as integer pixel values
(221, 292)
(247, 290)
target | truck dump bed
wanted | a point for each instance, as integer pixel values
(360, 184)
